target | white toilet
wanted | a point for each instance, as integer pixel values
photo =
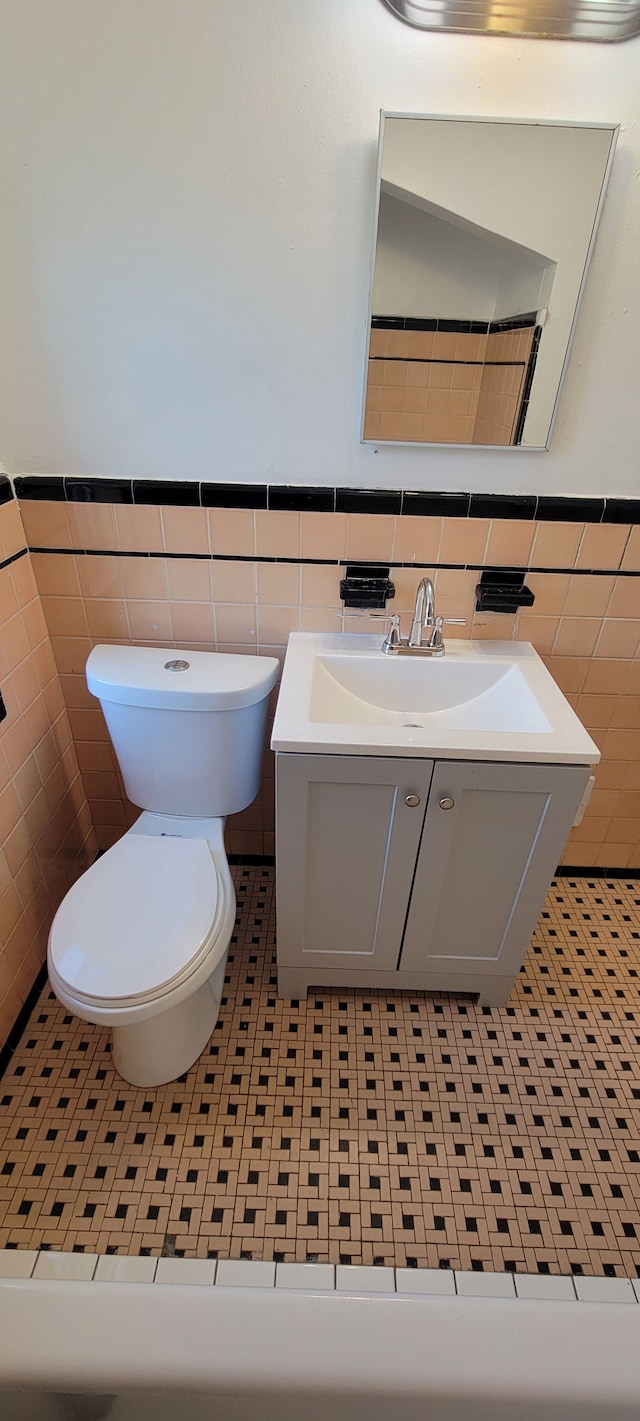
(140, 942)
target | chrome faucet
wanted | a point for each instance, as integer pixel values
(425, 623)
(424, 613)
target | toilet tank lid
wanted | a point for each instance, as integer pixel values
(170, 680)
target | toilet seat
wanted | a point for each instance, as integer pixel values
(139, 922)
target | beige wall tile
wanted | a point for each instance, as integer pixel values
(188, 580)
(625, 598)
(602, 545)
(576, 636)
(417, 539)
(370, 536)
(277, 534)
(46, 525)
(323, 535)
(100, 576)
(321, 587)
(631, 557)
(92, 525)
(56, 576)
(550, 591)
(606, 677)
(569, 672)
(65, 616)
(626, 715)
(463, 540)
(185, 530)
(279, 584)
(233, 581)
(509, 542)
(139, 529)
(492, 626)
(193, 622)
(588, 596)
(540, 631)
(275, 624)
(320, 619)
(596, 712)
(556, 544)
(618, 638)
(232, 531)
(146, 577)
(147, 621)
(236, 623)
(106, 618)
(622, 745)
(12, 534)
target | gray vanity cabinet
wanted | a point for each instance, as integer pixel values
(402, 873)
(492, 838)
(346, 850)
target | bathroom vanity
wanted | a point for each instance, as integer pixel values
(422, 808)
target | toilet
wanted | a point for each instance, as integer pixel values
(140, 942)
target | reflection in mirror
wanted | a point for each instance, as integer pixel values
(484, 232)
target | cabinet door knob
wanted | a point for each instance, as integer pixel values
(447, 802)
(412, 801)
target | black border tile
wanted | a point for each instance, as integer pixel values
(48, 489)
(233, 495)
(301, 500)
(621, 510)
(363, 500)
(564, 870)
(168, 493)
(13, 1039)
(436, 505)
(98, 490)
(555, 509)
(188, 493)
(514, 323)
(417, 323)
(503, 505)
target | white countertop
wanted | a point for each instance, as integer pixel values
(303, 720)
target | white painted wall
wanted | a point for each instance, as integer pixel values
(426, 267)
(523, 287)
(187, 209)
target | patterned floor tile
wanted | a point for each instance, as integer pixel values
(355, 1126)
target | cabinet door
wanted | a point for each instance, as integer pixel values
(345, 855)
(493, 835)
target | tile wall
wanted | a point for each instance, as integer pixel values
(46, 835)
(446, 386)
(241, 579)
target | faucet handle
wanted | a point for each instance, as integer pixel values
(392, 640)
(452, 621)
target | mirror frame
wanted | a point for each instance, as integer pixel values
(613, 129)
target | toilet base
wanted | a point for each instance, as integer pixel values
(158, 1050)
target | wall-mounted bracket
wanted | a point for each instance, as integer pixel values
(502, 590)
(366, 585)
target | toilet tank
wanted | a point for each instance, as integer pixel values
(187, 726)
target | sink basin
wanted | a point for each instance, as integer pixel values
(482, 700)
(414, 695)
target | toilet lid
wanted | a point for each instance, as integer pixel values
(138, 920)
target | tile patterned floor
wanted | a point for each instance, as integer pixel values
(355, 1127)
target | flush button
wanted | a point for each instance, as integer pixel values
(176, 665)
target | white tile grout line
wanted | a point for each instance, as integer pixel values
(35, 1265)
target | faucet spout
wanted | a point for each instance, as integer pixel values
(424, 611)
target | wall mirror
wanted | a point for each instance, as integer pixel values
(484, 230)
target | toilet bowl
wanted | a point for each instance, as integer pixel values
(140, 941)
